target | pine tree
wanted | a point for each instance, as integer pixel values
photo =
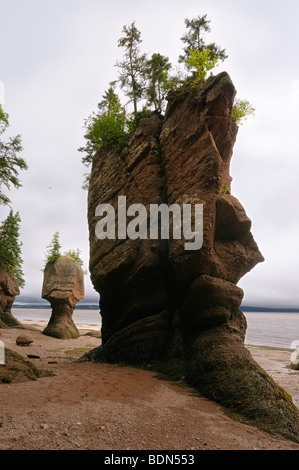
(156, 72)
(132, 67)
(194, 39)
(53, 252)
(10, 162)
(10, 247)
(107, 127)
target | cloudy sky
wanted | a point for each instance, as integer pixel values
(57, 59)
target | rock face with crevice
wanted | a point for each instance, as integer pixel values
(63, 287)
(9, 289)
(173, 309)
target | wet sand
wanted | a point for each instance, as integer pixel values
(99, 406)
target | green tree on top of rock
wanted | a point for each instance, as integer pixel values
(54, 252)
(149, 81)
(156, 73)
(197, 54)
(104, 128)
(131, 76)
(10, 247)
(204, 57)
(202, 61)
(194, 39)
(75, 254)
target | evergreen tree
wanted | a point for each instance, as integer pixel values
(133, 65)
(194, 39)
(10, 247)
(156, 72)
(53, 252)
(107, 127)
(10, 162)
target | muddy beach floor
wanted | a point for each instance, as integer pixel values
(86, 406)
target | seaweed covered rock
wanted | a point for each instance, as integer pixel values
(17, 369)
(174, 308)
(63, 287)
(9, 289)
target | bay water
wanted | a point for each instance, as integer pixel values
(274, 329)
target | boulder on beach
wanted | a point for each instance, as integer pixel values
(23, 340)
(63, 287)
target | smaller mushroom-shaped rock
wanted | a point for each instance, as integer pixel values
(23, 340)
(63, 287)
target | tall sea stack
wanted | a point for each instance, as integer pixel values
(172, 309)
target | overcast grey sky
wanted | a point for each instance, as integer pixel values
(57, 59)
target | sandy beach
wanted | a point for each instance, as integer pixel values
(85, 406)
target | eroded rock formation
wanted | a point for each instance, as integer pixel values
(9, 289)
(63, 287)
(162, 305)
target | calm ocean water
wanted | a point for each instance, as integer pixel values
(272, 328)
(80, 316)
(278, 329)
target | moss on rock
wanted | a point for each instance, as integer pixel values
(17, 369)
(62, 330)
(10, 321)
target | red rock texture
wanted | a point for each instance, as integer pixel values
(162, 305)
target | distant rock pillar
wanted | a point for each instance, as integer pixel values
(63, 287)
(9, 289)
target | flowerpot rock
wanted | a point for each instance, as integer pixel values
(63, 287)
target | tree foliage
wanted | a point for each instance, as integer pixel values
(156, 73)
(75, 254)
(10, 162)
(241, 110)
(131, 76)
(194, 39)
(54, 252)
(106, 127)
(202, 61)
(10, 247)
(148, 81)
